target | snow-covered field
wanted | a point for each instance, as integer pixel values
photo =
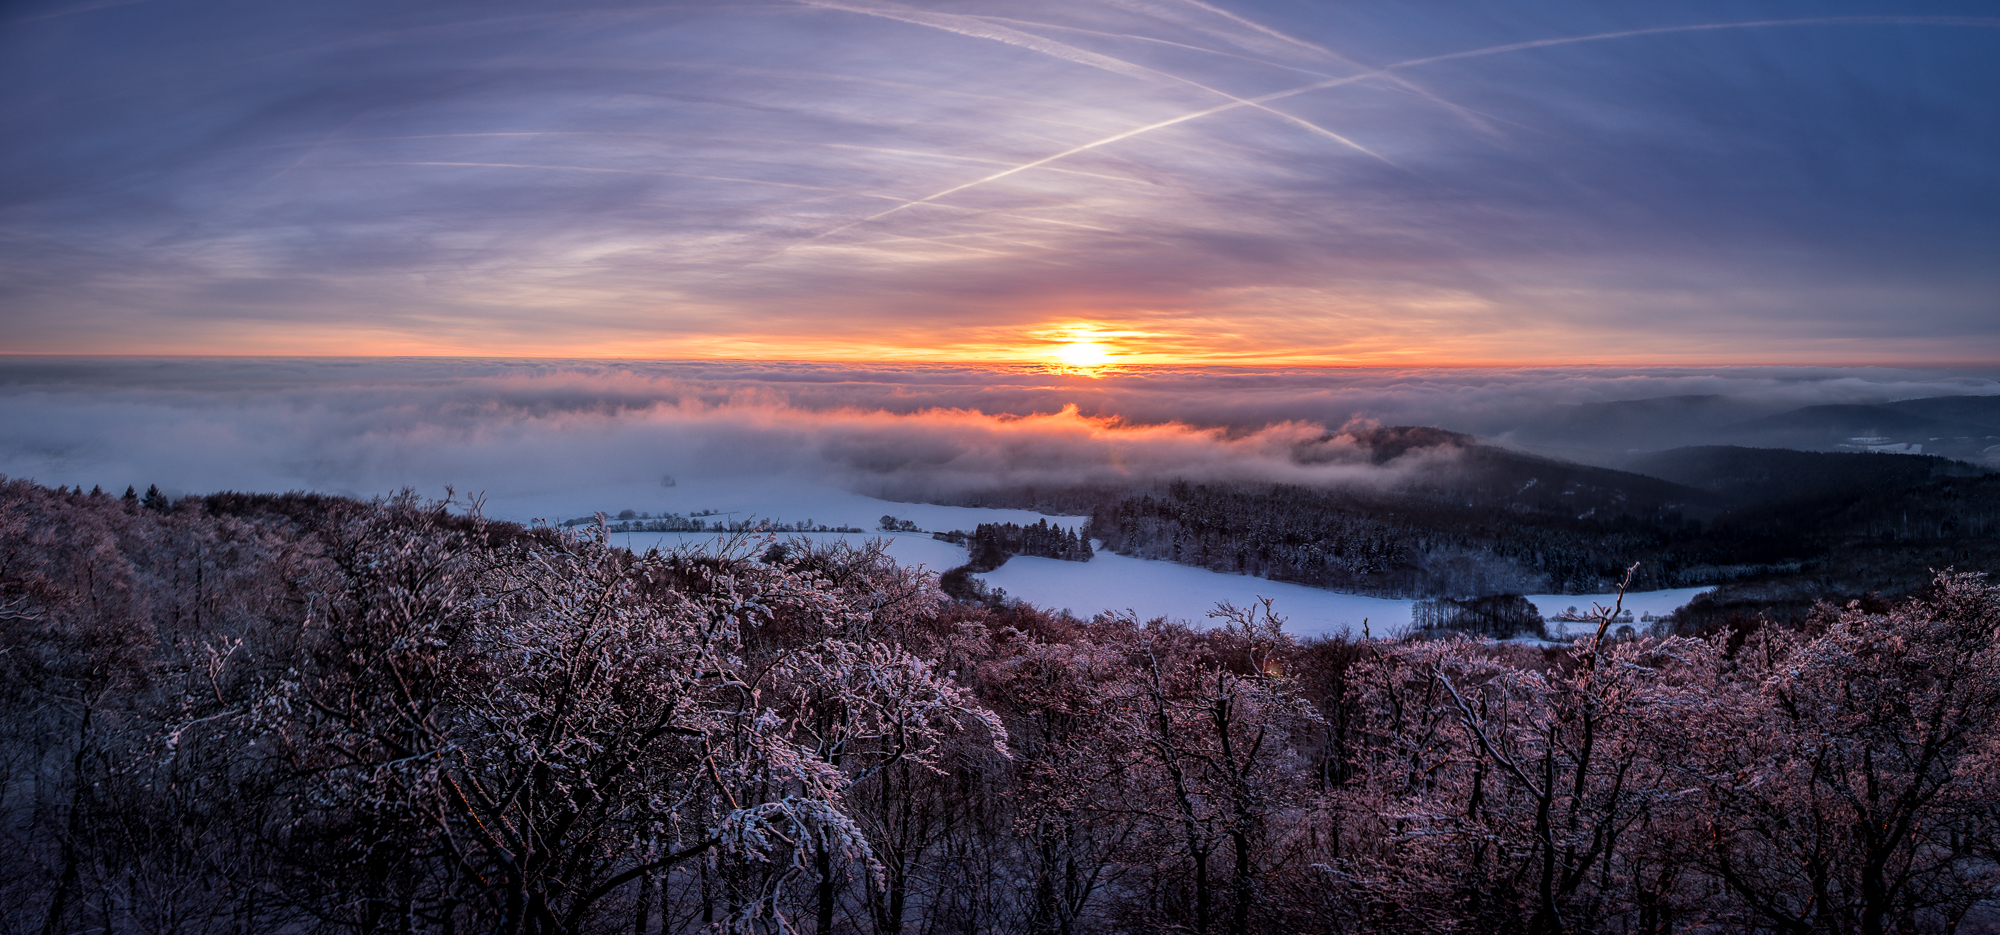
(1180, 592)
(1108, 582)
(1164, 589)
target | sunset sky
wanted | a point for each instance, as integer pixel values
(1082, 182)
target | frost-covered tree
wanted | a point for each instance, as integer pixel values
(1845, 781)
(311, 714)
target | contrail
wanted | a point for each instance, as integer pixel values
(1386, 70)
(1086, 147)
(1134, 37)
(1476, 119)
(1266, 30)
(1972, 21)
(901, 202)
(978, 28)
(1162, 11)
(948, 157)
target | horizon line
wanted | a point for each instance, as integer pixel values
(1106, 369)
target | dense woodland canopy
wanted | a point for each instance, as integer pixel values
(301, 713)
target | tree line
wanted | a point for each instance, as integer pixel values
(630, 521)
(302, 713)
(989, 545)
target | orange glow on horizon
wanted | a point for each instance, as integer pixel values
(1087, 347)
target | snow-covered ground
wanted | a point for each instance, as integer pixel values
(1181, 592)
(1178, 592)
(1108, 582)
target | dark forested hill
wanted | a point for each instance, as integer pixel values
(1754, 476)
(1398, 545)
(1816, 427)
(1969, 411)
(1469, 519)
(1963, 427)
(1960, 427)
(1491, 520)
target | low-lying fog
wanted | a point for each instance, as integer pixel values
(791, 441)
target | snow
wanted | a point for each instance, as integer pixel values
(1182, 592)
(1108, 582)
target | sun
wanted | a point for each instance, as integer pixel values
(1084, 354)
(1081, 345)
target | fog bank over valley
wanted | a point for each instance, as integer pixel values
(842, 446)
(565, 436)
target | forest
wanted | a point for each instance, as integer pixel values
(1501, 522)
(632, 521)
(303, 713)
(989, 545)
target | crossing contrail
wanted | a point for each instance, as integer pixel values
(980, 28)
(1274, 42)
(1388, 71)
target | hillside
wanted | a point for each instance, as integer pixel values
(1959, 427)
(1491, 520)
(1749, 476)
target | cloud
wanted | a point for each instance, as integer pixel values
(928, 179)
(508, 426)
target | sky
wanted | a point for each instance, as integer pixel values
(1086, 182)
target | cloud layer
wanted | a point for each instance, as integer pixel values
(508, 427)
(1426, 182)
